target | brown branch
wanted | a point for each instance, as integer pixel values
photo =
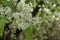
(6, 29)
(18, 1)
(36, 9)
(18, 32)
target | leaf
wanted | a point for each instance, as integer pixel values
(1, 27)
(1, 1)
(28, 33)
(9, 4)
(3, 20)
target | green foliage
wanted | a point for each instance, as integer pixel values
(9, 4)
(44, 26)
(3, 20)
(28, 33)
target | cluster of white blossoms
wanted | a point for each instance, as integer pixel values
(23, 17)
(24, 20)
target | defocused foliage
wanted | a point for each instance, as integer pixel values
(29, 19)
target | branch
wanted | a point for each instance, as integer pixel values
(6, 29)
(36, 9)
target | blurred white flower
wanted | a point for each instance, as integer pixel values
(54, 5)
(57, 19)
(53, 16)
(8, 10)
(20, 6)
(47, 10)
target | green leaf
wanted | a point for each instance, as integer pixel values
(9, 4)
(1, 1)
(3, 20)
(28, 33)
(1, 27)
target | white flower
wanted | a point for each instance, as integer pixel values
(57, 18)
(47, 10)
(16, 15)
(23, 26)
(53, 16)
(8, 10)
(36, 21)
(2, 9)
(54, 5)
